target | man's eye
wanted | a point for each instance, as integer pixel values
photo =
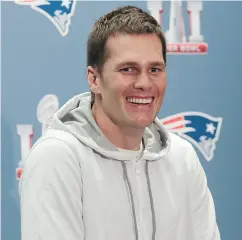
(156, 70)
(128, 69)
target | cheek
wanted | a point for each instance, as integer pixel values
(111, 94)
(116, 88)
(161, 86)
(113, 87)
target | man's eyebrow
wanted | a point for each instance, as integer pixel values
(133, 63)
(158, 63)
(123, 63)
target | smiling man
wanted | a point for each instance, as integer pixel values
(106, 169)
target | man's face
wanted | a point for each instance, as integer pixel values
(133, 81)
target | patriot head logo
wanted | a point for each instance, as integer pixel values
(58, 12)
(201, 129)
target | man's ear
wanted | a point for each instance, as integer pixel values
(93, 79)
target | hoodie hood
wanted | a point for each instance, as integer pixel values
(76, 118)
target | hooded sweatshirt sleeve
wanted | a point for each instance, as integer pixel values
(202, 204)
(51, 193)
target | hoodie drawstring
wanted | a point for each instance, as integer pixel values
(151, 200)
(126, 179)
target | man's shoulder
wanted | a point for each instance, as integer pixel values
(51, 159)
(181, 153)
(57, 143)
(60, 137)
(177, 143)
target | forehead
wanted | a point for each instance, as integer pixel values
(139, 48)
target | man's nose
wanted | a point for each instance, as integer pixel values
(143, 82)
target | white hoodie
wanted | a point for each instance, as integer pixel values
(76, 185)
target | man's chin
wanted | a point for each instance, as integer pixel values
(143, 123)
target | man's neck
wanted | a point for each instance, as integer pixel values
(122, 137)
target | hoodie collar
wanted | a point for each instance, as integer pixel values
(76, 118)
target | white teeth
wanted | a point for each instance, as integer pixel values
(139, 100)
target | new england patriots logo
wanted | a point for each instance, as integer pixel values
(201, 129)
(58, 12)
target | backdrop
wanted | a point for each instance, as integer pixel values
(44, 64)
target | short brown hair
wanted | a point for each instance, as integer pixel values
(126, 20)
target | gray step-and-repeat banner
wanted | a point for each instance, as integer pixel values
(43, 65)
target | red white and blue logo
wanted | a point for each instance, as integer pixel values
(58, 12)
(201, 129)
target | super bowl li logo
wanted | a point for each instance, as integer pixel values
(178, 41)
